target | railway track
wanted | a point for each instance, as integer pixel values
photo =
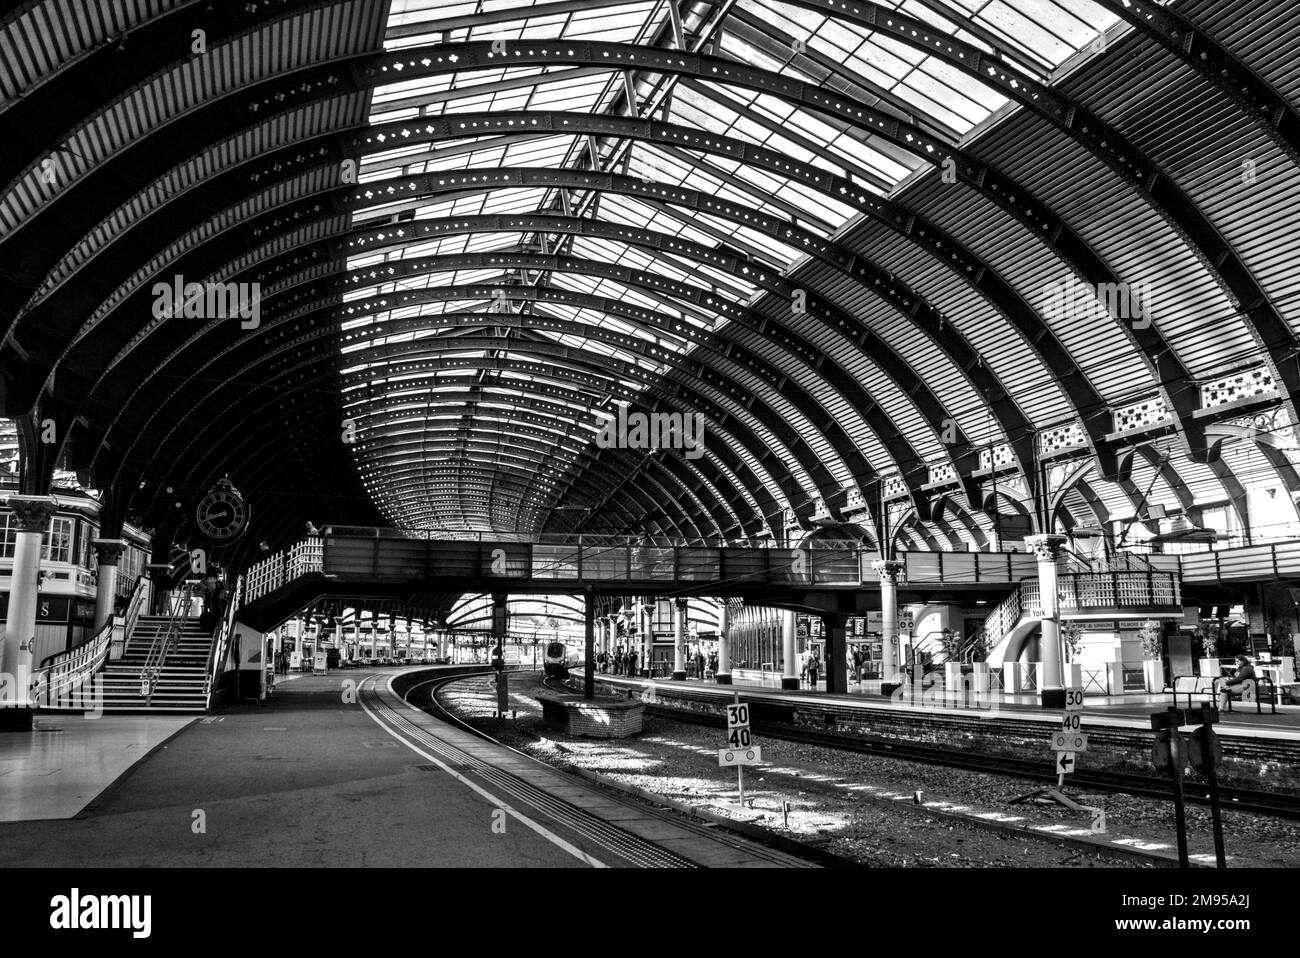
(1236, 799)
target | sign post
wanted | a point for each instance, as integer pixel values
(740, 750)
(1067, 742)
(1173, 751)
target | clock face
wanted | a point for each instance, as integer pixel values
(222, 514)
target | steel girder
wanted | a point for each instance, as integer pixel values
(739, 431)
(971, 364)
(607, 374)
(859, 336)
(1130, 164)
(736, 466)
(704, 371)
(922, 233)
(1037, 219)
(844, 442)
(679, 398)
(516, 464)
(834, 375)
(694, 470)
(1271, 112)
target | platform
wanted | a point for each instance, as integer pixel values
(1130, 711)
(308, 780)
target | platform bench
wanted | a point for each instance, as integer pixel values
(1189, 685)
(1251, 692)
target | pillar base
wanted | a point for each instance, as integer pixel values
(1052, 698)
(722, 678)
(789, 683)
(17, 719)
(679, 676)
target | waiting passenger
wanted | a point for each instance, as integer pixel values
(1237, 681)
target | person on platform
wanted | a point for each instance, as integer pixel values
(630, 662)
(813, 666)
(1236, 682)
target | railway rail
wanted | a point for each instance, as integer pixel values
(1277, 804)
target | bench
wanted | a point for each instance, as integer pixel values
(1189, 685)
(1250, 692)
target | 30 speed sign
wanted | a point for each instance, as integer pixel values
(738, 715)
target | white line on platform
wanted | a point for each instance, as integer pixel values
(540, 829)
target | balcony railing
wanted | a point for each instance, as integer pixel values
(1135, 592)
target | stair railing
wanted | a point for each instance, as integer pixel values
(221, 643)
(134, 606)
(70, 669)
(1002, 619)
(163, 643)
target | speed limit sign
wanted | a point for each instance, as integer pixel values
(738, 735)
(738, 716)
(1074, 700)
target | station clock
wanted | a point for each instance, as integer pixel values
(222, 513)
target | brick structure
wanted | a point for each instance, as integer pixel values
(598, 718)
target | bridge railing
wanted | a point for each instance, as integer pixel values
(961, 567)
(1135, 592)
(1274, 560)
(398, 554)
(410, 558)
(282, 568)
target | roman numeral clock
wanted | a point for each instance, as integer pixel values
(222, 514)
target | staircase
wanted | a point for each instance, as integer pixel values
(1126, 587)
(181, 685)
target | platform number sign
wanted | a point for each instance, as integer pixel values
(738, 735)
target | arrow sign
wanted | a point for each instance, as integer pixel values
(1064, 763)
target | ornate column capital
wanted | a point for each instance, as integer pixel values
(33, 512)
(1047, 547)
(888, 569)
(108, 551)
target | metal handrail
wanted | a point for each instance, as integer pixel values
(71, 667)
(156, 659)
(221, 643)
(139, 595)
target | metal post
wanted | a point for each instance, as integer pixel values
(589, 623)
(1216, 808)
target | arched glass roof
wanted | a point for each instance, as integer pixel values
(947, 269)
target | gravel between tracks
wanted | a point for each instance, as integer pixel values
(679, 760)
